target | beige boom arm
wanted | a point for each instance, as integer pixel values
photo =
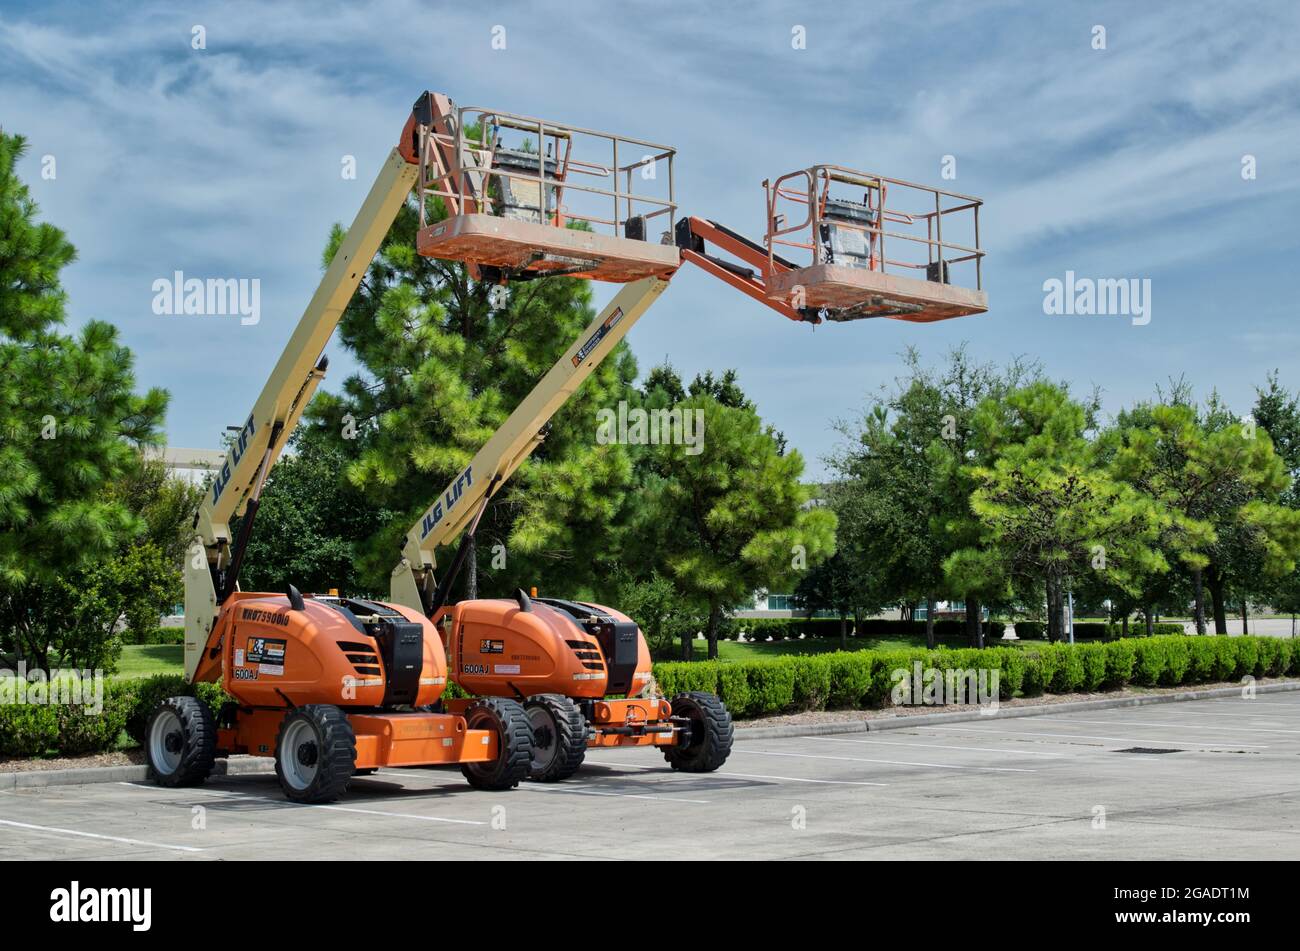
(413, 579)
(276, 412)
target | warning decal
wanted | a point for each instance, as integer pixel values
(266, 650)
(597, 337)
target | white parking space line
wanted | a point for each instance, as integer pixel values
(725, 773)
(886, 762)
(938, 746)
(1243, 701)
(52, 830)
(308, 805)
(1177, 726)
(375, 812)
(1262, 715)
(186, 790)
(576, 790)
(1089, 736)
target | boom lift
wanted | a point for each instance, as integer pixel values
(327, 687)
(330, 686)
(582, 671)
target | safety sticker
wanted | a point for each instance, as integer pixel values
(271, 670)
(266, 650)
(606, 326)
(505, 668)
(239, 657)
(488, 646)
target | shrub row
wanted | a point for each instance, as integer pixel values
(158, 635)
(1094, 630)
(866, 679)
(38, 729)
(791, 628)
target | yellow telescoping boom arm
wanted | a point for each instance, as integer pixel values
(461, 504)
(212, 564)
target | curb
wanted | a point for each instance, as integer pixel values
(1004, 713)
(35, 778)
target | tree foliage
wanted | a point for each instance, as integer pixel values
(71, 425)
(733, 517)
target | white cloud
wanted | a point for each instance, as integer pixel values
(227, 160)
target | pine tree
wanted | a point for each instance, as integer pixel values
(70, 421)
(731, 518)
(1048, 515)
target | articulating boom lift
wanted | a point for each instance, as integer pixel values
(332, 686)
(582, 671)
(326, 687)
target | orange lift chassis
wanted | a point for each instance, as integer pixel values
(332, 686)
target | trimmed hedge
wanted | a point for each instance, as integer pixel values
(1094, 630)
(28, 730)
(792, 628)
(864, 679)
(159, 635)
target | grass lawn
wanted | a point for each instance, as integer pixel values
(735, 650)
(145, 660)
(141, 660)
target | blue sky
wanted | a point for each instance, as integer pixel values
(1119, 163)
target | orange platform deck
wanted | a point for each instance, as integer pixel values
(869, 293)
(510, 244)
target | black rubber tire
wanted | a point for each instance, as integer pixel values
(708, 739)
(198, 742)
(336, 752)
(514, 742)
(567, 730)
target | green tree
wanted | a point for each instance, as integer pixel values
(1048, 515)
(655, 603)
(1277, 412)
(731, 518)
(70, 421)
(165, 503)
(312, 524)
(1221, 483)
(902, 493)
(837, 584)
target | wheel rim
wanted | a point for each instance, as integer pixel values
(546, 744)
(166, 742)
(299, 754)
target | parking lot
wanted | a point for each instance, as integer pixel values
(1076, 785)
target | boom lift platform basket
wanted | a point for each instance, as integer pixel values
(866, 256)
(521, 204)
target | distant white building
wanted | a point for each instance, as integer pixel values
(195, 466)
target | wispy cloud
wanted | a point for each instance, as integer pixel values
(1123, 161)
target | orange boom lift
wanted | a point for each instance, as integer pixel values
(518, 211)
(326, 687)
(333, 686)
